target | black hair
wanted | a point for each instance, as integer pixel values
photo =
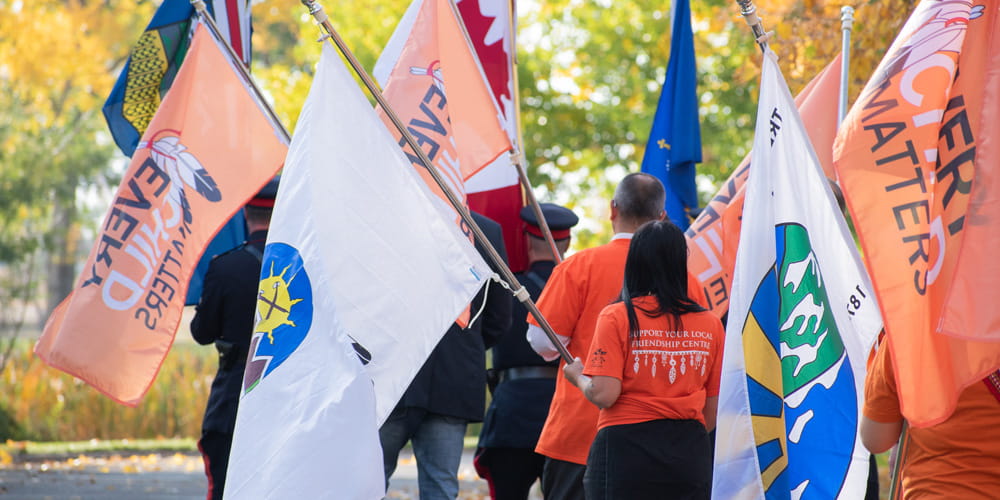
(640, 197)
(257, 215)
(657, 265)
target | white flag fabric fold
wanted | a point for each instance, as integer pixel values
(361, 277)
(802, 320)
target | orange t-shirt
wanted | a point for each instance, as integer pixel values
(666, 373)
(958, 458)
(579, 288)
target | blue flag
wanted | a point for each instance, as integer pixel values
(156, 57)
(674, 145)
(148, 73)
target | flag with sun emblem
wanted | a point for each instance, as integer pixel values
(360, 278)
(802, 319)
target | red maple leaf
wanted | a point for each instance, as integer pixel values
(493, 58)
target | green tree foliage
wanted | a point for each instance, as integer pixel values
(57, 63)
(286, 47)
(590, 77)
(57, 60)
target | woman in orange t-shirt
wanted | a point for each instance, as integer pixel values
(653, 370)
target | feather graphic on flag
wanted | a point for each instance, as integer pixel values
(147, 76)
(116, 326)
(184, 169)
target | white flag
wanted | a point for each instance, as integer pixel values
(361, 277)
(802, 319)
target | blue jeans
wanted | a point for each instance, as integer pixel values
(437, 445)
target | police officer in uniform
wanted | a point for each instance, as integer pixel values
(525, 382)
(225, 317)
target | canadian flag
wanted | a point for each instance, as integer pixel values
(496, 191)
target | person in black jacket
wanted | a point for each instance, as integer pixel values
(506, 457)
(225, 317)
(449, 391)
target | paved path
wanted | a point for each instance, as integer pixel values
(104, 477)
(163, 476)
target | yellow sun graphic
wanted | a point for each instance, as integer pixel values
(274, 303)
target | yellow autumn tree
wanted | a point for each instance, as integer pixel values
(57, 63)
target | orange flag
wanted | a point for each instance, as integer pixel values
(714, 235)
(908, 155)
(969, 312)
(436, 88)
(208, 149)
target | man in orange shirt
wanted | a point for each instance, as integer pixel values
(958, 458)
(576, 293)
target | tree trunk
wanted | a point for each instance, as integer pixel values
(62, 253)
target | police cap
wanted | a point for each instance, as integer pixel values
(265, 197)
(560, 219)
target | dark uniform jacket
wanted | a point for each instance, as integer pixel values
(226, 313)
(452, 381)
(520, 405)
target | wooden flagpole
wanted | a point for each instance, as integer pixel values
(895, 488)
(520, 158)
(520, 293)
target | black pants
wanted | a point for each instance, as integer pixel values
(562, 480)
(650, 460)
(214, 447)
(872, 492)
(510, 472)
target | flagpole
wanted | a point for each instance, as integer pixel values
(519, 292)
(516, 156)
(846, 25)
(749, 13)
(518, 160)
(237, 62)
(895, 490)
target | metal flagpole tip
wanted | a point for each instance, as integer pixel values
(749, 13)
(846, 17)
(313, 6)
(316, 10)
